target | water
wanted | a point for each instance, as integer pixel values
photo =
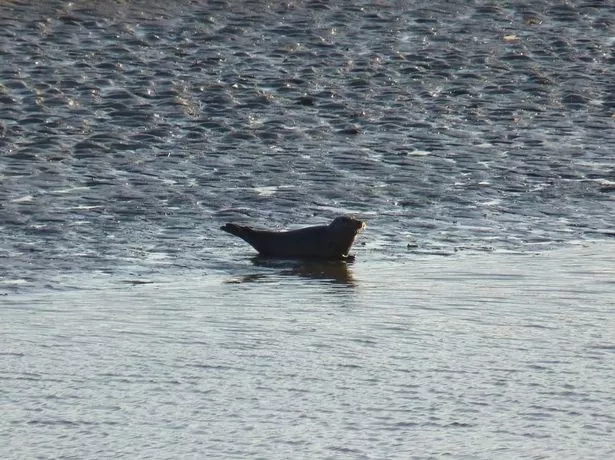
(468, 356)
(477, 318)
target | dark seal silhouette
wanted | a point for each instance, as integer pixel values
(331, 242)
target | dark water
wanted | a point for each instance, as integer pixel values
(480, 131)
(136, 128)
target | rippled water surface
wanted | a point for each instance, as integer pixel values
(475, 138)
(482, 356)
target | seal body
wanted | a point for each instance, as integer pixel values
(331, 241)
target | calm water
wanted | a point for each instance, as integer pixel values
(480, 356)
(476, 140)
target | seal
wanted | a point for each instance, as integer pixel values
(331, 242)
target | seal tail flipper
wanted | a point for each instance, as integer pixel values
(253, 237)
(237, 230)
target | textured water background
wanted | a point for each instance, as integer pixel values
(482, 356)
(475, 139)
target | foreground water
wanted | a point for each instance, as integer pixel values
(472, 356)
(476, 141)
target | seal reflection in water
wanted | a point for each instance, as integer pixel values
(331, 242)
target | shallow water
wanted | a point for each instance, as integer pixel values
(470, 356)
(474, 139)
